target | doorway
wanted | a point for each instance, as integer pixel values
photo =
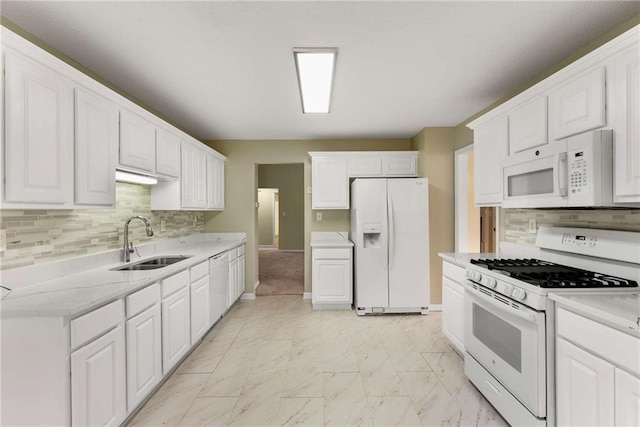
(280, 227)
(475, 227)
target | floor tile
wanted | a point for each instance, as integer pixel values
(449, 368)
(379, 377)
(393, 411)
(304, 411)
(303, 382)
(345, 402)
(204, 358)
(209, 411)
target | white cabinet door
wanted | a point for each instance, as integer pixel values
(578, 105)
(364, 166)
(144, 355)
(38, 124)
(167, 153)
(330, 183)
(98, 381)
(627, 399)
(176, 336)
(199, 308)
(193, 177)
(241, 276)
(453, 312)
(331, 281)
(137, 142)
(96, 147)
(491, 142)
(399, 166)
(584, 387)
(233, 281)
(626, 117)
(528, 125)
(215, 182)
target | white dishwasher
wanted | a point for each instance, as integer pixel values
(219, 285)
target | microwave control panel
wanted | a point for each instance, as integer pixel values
(578, 176)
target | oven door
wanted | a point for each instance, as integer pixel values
(536, 179)
(508, 340)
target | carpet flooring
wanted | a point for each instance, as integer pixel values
(280, 273)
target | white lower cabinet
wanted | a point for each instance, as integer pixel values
(144, 354)
(98, 381)
(453, 305)
(332, 284)
(585, 387)
(176, 336)
(241, 275)
(233, 277)
(199, 308)
(627, 399)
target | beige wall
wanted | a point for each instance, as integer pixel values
(266, 225)
(473, 212)
(242, 181)
(289, 180)
(435, 162)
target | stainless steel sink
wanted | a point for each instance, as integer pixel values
(152, 264)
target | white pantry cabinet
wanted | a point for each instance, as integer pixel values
(38, 107)
(96, 146)
(331, 282)
(626, 95)
(453, 304)
(491, 145)
(176, 330)
(137, 142)
(578, 105)
(167, 153)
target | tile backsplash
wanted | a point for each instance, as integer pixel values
(36, 236)
(516, 221)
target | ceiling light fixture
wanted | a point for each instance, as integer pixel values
(315, 68)
(134, 178)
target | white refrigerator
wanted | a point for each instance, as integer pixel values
(390, 230)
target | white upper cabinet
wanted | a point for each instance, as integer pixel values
(194, 177)
(626, 97)
(528, 125)
(38, 133)
(215, 182)
(365, 166)
(95, 149)
(330, 183)
(167, 153)
(137, 142)
(578, 105)
(491, 142)
(399, 165)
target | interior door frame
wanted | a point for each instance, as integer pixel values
(273, 191)
(460, 202)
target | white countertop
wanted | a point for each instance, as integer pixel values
(330, 239)
(75, 294)
(618, 309)
(462, 259)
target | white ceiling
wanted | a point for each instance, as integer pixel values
(225, 70)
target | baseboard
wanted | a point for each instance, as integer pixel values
(255, 287)
(306, 295)
(291, 250)
(266, 247)
(435, 307)
(248, 295)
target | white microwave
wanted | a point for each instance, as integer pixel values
(573, 172)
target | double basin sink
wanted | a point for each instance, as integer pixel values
(152, 263)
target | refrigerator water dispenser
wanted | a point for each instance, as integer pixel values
(371, 235)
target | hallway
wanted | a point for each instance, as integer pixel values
(280, 272)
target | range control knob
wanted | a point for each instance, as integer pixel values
(506, 289)
(474, 276)
(518, 294)
(491, 282)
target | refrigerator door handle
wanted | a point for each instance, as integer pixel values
(391, 231)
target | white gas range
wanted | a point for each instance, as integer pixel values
(509, 320)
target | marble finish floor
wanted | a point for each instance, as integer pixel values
(274, 361)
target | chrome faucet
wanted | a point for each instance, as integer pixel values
(128, 247)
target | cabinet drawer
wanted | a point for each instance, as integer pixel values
(241, 250)
(453, 272)
(332, 253)
(175, 283)
(144, 298)
(89, 326)
(199, 271)
(617, 347)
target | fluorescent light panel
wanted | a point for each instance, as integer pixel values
(135, 178)
(315, 68)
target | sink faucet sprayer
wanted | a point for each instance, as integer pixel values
(128, 247)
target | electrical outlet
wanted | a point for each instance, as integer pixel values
(533, 226)
(163, 225)
(318, 216)
(3, 240)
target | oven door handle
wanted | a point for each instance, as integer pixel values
(526, 316)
